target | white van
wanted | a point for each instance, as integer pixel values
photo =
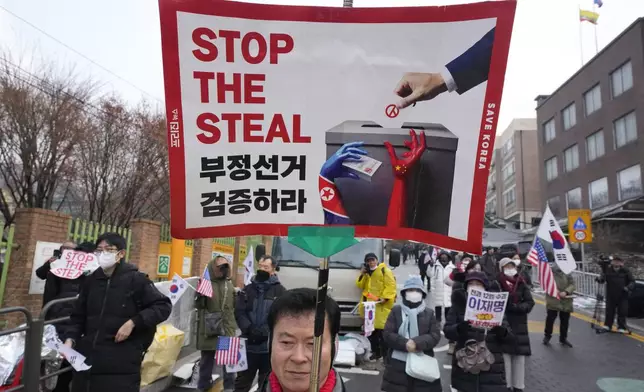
(299, 269)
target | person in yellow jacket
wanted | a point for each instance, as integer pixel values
(378, 284)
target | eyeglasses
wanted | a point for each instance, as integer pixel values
(105, 250)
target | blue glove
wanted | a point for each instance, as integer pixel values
(332, 168)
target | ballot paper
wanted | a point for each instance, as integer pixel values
(76, 359)
(365, 168)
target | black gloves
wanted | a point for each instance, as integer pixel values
(463, 327)
(500, 331)
(256, 334)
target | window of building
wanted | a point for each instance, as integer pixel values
(551, 169)
(490, 207)
(621, 79)
(569, 116)
(629, 182)
(573, 199)
(555, 206)
(625, 129)
(595, 146)
(549, 131)
(508, 146)
(509, 197)
(598, 192)
(571, 158)
(508, 170)
(592, 100)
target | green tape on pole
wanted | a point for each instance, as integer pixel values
(322, 241)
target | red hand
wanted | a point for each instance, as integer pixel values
(397, 214)
(410, 158)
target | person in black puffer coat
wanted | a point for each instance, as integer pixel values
(459, 330)
(59, 288)
(520, 304)
(114, 321)
(410, 327)
(251, 313)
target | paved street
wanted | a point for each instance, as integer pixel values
(597, 363)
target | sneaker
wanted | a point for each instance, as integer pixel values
(565, 343)
(450, 350)
(606, 327)
(546, 340)
(622, 330)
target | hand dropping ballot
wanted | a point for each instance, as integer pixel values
(485, 309)
(73, 264)
(76, 359)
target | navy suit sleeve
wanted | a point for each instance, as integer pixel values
(472, 67)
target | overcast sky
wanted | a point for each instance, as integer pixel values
(123, 36)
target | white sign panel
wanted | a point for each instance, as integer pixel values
(73, 264)
(44, 251)
(485, 309)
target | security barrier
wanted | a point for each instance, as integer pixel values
(183, 317)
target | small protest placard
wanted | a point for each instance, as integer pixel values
(72, 264)
(485, 309)
(76, 359)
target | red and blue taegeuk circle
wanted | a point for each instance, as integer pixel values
(174, 289)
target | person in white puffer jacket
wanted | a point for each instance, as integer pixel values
(440, 292)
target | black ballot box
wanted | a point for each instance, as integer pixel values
(429, 185)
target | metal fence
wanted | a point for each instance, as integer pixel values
(81, 230)
(31, 379)
(6, 246)
(585, 282)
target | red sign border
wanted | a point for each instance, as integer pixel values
(503, 11)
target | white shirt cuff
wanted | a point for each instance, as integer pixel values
(449, 80)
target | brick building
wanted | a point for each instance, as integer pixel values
(513, 195)
(591, 133)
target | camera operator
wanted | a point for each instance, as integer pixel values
(619, 283)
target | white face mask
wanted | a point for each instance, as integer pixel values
(374, 267)
(518, 261)
(414, 296)
(510, 272)
(107, 260)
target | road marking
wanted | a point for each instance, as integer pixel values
(442, 348)
(588, 319)
(356, 370)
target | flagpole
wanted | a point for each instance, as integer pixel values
(595, 28)
(581, 43)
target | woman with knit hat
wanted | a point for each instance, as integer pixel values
(520, 304)
(461, 331)
(411, 328)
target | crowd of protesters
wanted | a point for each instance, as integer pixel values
(114, 320)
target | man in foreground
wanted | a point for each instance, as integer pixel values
(291, 321)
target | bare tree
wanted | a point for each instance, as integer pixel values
(122, 164)
(42, 115)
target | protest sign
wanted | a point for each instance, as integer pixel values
(73, 264)
(485, 309)
(285, 115)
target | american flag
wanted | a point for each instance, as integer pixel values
(227, 350)
(205, 286)
(546, 277)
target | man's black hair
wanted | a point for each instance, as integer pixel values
(301, 301)
(87, 247)
(113, 239)
(271, 259)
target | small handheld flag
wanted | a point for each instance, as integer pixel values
(178, 286)
(205, 285)
(227, 350)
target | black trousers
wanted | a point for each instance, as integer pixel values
(377, 341)
(256, 363)
(439, 313)
(63, 384)
(621, 304)
(564, 321)
(423, 275)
